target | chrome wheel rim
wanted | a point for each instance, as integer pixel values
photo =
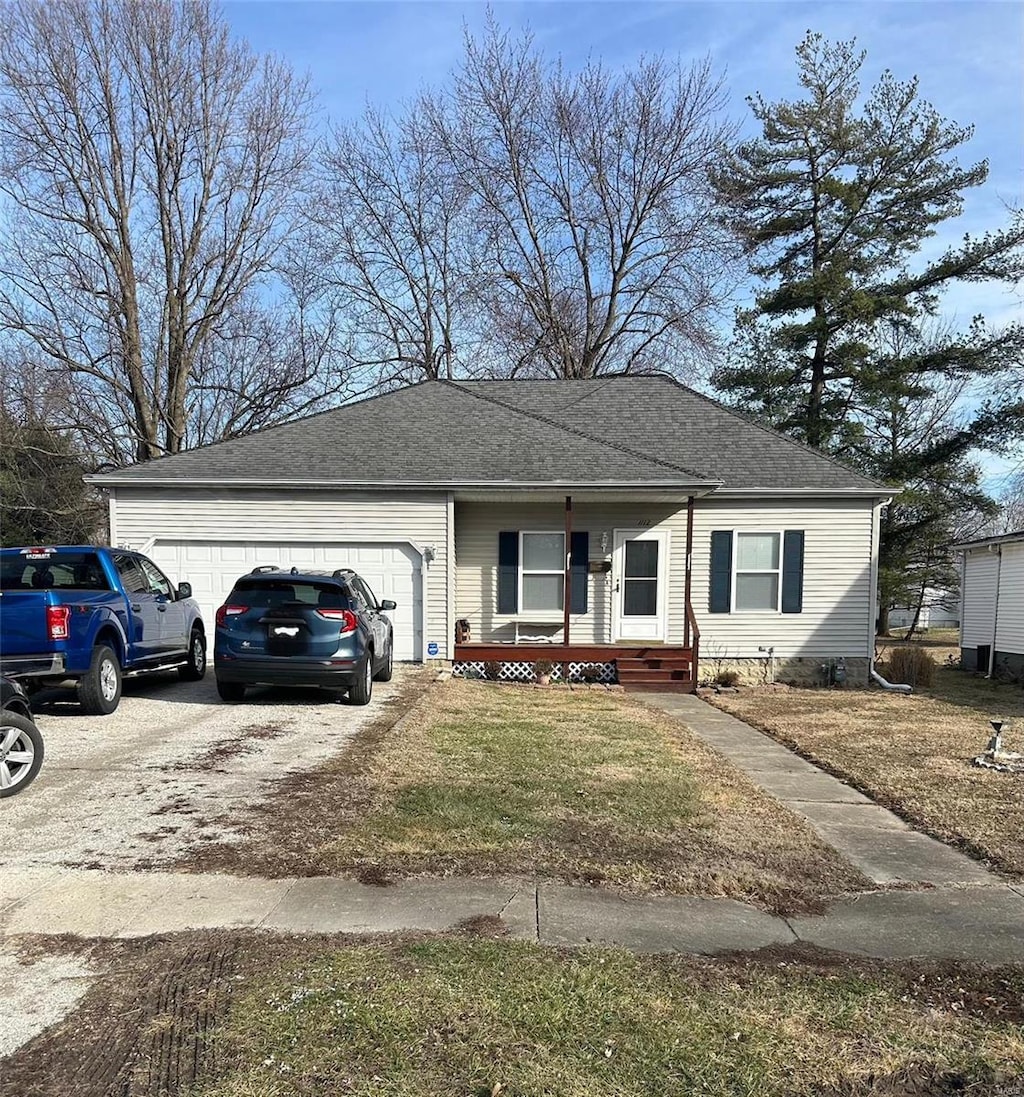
(17, 753)
(198, 654)
(108, 680)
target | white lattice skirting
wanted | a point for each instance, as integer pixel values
(524, 672)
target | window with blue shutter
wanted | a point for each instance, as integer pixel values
(579, 561)
(721, 571)
(793, 571)
(508, 571)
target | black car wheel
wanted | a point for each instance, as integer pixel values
(388, 667)
(362, 691)
(195, 668)
(21, 752)
(232, 692)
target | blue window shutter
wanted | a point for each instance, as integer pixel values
(793, 571)
(721, 571)
(508, 571)
(579, 560)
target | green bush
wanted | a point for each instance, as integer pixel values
(912, 665)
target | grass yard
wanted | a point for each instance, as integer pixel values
(911, 753)
(583, 786)
(236, 1015)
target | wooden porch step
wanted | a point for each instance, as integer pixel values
(671, 662)
(646, 674)
(686, 685)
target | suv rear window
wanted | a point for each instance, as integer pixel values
(53, 571)
(261, 593)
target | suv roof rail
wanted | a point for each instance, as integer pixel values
(260, 569)
(342, 573)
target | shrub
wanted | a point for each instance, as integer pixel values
(542, 667)
(727, 677)
(912, 665)
(492, 670)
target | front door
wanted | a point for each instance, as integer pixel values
(640, 570)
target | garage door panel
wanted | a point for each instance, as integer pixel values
(392, 571)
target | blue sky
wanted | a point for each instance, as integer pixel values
(969, 57)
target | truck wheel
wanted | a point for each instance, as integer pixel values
(232, 692)
(99, 689)
(21, 752)
(360, 693)
(195, 668)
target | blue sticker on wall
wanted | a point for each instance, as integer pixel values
(432, 648)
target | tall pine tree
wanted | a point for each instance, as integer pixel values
(835, 202)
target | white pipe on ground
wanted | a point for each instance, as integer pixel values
(894, 687)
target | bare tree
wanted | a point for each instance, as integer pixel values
(152, 165)
(528, 219)
(603, 253)
(397, 249)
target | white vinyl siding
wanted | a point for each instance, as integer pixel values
(238, 516)
(837, 571)
(978, 614)
(1010, 630)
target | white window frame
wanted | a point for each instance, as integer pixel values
(532, 614)
(736, 571)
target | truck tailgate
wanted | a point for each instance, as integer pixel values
(23, 622)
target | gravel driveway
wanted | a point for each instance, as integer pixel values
(141, 787)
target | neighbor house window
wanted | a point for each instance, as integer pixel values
(542, 570)
(758, 570)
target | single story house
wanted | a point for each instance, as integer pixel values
(992, 604)
(940, 609)
(629, 523)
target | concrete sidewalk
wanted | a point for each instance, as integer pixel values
(879, 843)
(975, 923)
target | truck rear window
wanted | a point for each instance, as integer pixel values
(52, 571)
(261, 593)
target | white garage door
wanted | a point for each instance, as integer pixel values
(392, 571)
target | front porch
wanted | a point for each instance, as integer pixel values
(637, 668)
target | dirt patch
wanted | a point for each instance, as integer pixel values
(245, 742)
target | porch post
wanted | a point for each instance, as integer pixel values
(568, 574)
(689, 569)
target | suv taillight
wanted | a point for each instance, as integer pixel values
(57, 621)
(229, 611)
(347, 621)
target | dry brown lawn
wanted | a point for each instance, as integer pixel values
(583, 786)
(911, 753)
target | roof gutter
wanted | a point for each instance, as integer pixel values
(114, 480)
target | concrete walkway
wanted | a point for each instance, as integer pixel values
(975, 923)
(879, 843)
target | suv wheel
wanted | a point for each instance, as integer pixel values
(232, 692)
(21, 752)
(360, 693)
(388, 669)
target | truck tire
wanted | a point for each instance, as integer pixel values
(21, 752)
(99, 689)
(195, 667)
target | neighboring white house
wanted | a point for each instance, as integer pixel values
(992, 604)
(653, 511)
(939, 610)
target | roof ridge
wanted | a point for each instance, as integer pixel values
(639, 454)
(752, 422)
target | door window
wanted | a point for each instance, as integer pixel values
(132, 579)
(158, 583)
(640, 579)
(367, 594)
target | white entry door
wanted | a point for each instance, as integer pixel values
(640, 567)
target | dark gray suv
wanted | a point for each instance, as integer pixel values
(303, 628)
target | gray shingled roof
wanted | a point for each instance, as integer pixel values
(622, 430)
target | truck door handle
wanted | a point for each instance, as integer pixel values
(136, 608)
(162, 608)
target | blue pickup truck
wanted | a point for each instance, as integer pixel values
(94, 615)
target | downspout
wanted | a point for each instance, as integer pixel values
(995, 615)
(424, 572)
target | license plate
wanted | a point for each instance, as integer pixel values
(285, 630)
